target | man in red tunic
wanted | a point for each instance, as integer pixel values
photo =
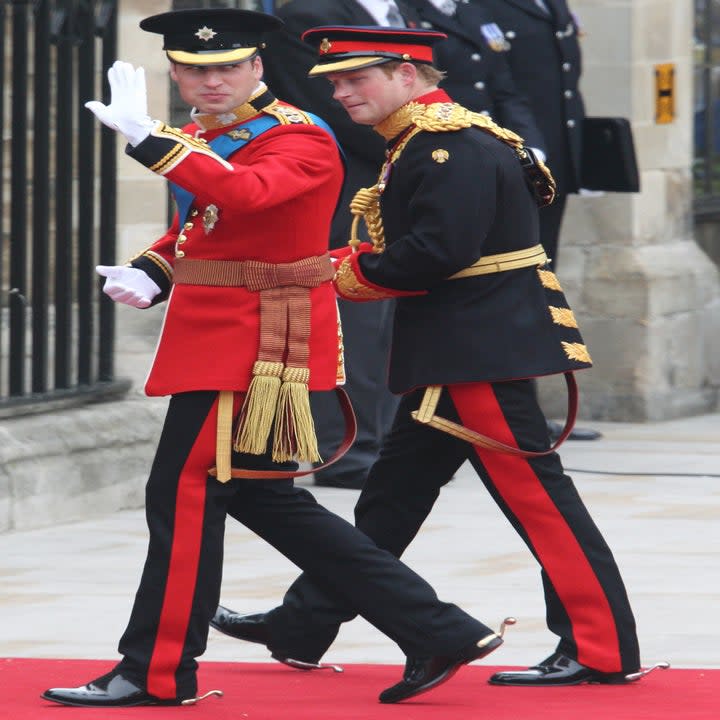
(250, 327)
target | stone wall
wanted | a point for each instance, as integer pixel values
(646, 295)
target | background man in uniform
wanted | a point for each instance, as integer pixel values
(480, 78)
(246, 273)
(543, 51)
(478, 312)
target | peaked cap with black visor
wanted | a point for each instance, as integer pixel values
(222, 36)
(342, 48)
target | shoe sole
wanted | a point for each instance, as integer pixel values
(584, 681)
(139, 703)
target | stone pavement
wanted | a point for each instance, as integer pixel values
(67, 589)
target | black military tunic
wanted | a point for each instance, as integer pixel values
(544, 55)
(450, 198)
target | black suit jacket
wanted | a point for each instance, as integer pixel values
(482, 84)
(486, 328)
(545, 60)
(478, 76)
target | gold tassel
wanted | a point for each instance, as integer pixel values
(295, 437)
(258, 411)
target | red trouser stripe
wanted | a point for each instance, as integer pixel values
(184, 561)
(555, 544)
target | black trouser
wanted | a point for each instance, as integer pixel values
(180, 584)
(587, 606)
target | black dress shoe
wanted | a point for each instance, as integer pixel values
(251, 627)
(111, 690)
(555, 430)
(423, 674)
(558, 669)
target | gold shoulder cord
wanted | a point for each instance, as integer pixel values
(437, 117)
(366, 203)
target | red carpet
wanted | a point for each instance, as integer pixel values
(267, 691)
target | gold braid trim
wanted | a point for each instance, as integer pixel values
(442, 117)
(366, 203)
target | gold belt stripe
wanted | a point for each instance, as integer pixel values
(503, 262)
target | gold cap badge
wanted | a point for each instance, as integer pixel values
(440, 156)
(205, 33)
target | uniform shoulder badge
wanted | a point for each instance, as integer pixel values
(288, 115)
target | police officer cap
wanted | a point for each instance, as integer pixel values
(221, 36)
(342, 48)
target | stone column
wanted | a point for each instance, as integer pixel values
(142, 195)
(646, 296)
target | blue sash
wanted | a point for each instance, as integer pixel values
(225, 146)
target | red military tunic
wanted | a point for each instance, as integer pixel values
(271, 201)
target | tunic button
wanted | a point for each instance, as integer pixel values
(559, 34)
(188, 226)
(179, 254)
(566, 67)
(571, 123)
(181, 239)
(194, 213)
(476, 57)
(568, 94)
(485, 112)
(479, 85)
(425, 24)
(510, 34)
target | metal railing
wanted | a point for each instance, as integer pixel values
(57, 195)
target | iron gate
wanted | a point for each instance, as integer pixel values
(57, 196)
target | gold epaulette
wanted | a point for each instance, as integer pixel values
(288, 115)
(446, 117)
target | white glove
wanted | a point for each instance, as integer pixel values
(539, 154)
(128, 285)
(127, 111)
